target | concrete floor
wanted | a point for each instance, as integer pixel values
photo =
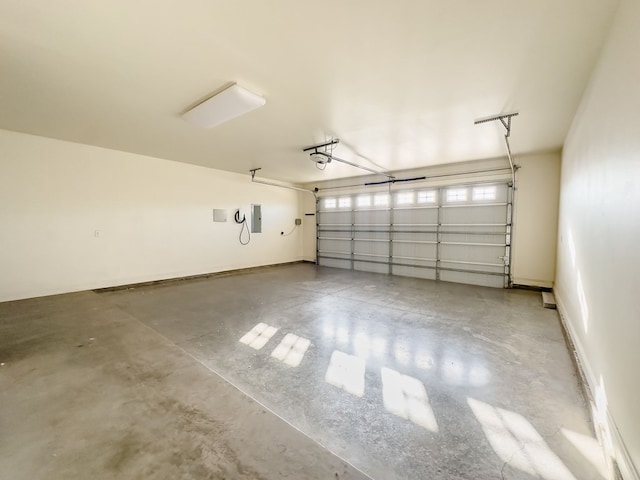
(401, 378)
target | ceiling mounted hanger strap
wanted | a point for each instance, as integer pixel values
(324, 145)
(264, 182)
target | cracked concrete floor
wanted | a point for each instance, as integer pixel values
(403, 378)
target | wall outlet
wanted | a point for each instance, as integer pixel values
(298, 221)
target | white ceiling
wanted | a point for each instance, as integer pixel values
(400, 83)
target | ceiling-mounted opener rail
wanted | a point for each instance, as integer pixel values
(505, 119)
(290, 187)
(322, 155)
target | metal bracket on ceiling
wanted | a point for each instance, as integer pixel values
(505, 120)
(253, 172)
(324, 146)
(264, 182)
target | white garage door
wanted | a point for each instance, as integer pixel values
(457, 233)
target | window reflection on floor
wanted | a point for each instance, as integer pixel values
(514, 439)
(259, 335)
(406, 397)
(402, 352)
(424, 360)
(361, 345)
(518, 443)
(590, 449)
(346, 372)
(366, 346)
(291, 349)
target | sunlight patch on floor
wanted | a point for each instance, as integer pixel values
(346, 372)
(518, 443)
(406, 397)
(258, 336)
(291, 349)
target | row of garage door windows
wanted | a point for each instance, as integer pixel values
(481, 193)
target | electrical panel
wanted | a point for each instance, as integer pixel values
(256, 218)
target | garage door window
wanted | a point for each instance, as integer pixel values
(381, 200)
(364, 201)
(456, 194)
(484, 193)
(329, 203)
(404, 198)
(344, 202)
(427, 196)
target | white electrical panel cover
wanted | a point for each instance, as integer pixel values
(219, 215)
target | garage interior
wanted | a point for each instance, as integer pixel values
(291, 240)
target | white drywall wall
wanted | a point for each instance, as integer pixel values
(598, 272)
(536, 219)
(75, 217)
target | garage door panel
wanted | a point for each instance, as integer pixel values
(490, 276)
(336, 246)
(416, 271)
(416, 235)
(371, 264)
(371, 234)
(371, 248)
(335, 263)
(419, 216)
(472, 253)
(472, 238)
(473, 215)
(458, 234)
(372, 217)
(334, 218)
(414, 251)
(476, 229)
(339, 231)
(472, 279)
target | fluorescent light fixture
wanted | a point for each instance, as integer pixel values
(229, 103)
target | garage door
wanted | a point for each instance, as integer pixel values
(459, 233)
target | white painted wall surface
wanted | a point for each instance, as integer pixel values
(154, 218)
(598, 273)
(536, 221)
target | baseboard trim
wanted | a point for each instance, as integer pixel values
(223, 273)
(623, 467)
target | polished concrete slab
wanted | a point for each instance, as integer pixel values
(89, 392)
(400, 378)
(404, 378)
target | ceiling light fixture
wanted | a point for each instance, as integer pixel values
(230, 103)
